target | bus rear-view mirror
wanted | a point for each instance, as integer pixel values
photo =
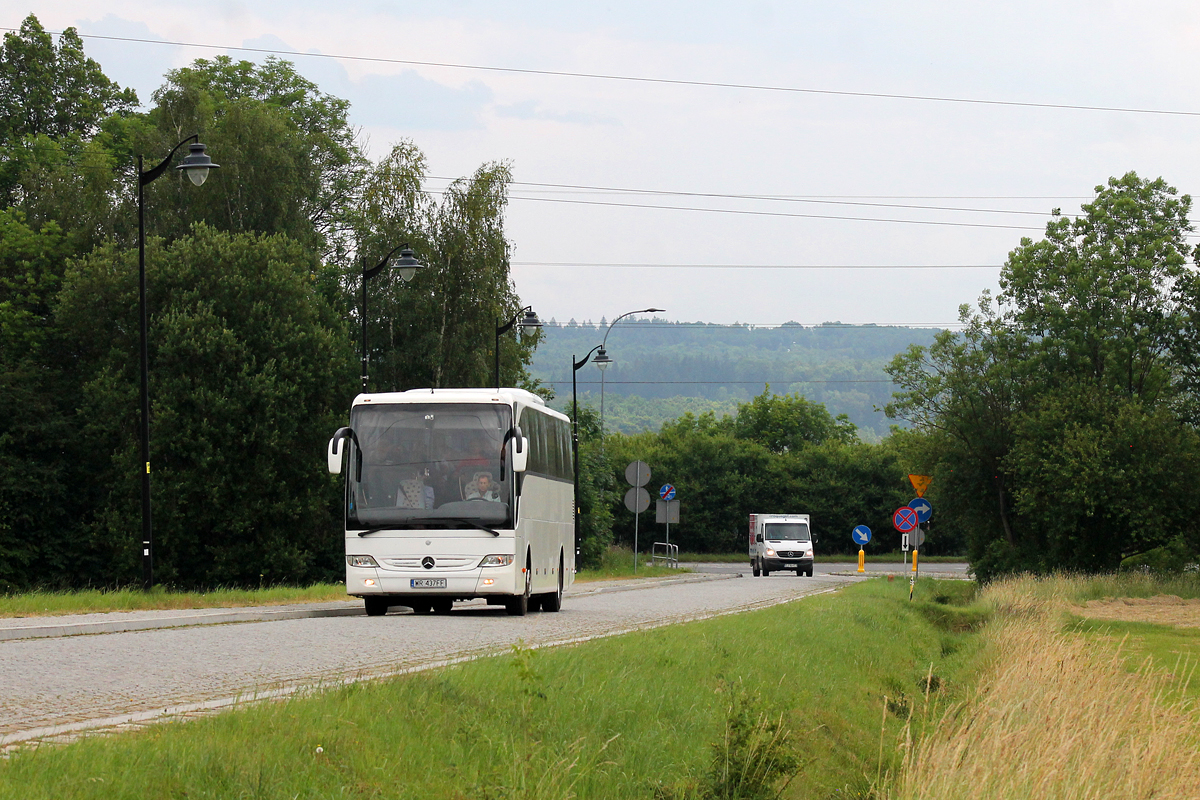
(520, 454)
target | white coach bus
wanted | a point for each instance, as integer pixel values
(454, 494)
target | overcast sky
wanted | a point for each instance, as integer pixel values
(698, 141)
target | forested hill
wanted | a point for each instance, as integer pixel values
(662, 369)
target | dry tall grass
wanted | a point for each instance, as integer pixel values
(1057, 716)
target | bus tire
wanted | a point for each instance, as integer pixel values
(553, 600)
(376, 606)
(754, 568)
(519, 606)
(766, 572)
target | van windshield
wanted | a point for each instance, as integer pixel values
(427, 462)
(787, 531)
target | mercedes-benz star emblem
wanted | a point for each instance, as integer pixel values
(427, 562)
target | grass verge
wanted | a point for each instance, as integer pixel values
(818, 685)
(617, 563)
(45, 603)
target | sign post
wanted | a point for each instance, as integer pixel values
(637, 499)
(861, 535)
(905, 521)
(667, 495)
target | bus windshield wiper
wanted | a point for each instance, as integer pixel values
(434, 520)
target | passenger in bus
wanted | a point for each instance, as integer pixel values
(481, 488)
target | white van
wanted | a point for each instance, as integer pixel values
(781, 542)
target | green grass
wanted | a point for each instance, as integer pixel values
(618, 562)
(1169, 649)
(46, 603)
(1135, 584)
(621, 717)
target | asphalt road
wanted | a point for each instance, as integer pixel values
(56, 687)
(951, 570)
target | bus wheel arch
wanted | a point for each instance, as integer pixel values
(552, 601)
(519, 606)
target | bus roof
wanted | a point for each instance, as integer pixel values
(508, 396)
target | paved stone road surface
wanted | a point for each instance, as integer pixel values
(57, 685)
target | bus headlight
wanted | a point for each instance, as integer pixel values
(361, 561)
(496, 561)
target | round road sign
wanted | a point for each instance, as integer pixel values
(637, 473)
(861, 534)
(637, 499)
(667, 492)
(904, 520)
(923, 508)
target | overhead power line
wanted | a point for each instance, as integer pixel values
(666, 327)
(706, 383)
(647, 79)
(788, 214)
(780, 199)
(766, 266)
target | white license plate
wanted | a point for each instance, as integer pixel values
(427, 583)
(789, 566)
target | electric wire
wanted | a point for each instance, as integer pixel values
(641, 78)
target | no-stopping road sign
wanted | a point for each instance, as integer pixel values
(904, 520)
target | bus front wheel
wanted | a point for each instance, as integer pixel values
(376, 606)
(519, 606)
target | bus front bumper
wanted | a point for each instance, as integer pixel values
(481, 582)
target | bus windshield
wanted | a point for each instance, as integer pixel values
(787, 531)
(429, 465)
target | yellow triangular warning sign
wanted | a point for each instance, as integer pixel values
(921, 483)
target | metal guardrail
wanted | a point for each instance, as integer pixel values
(667, 554)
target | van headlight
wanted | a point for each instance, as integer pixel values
(361, 561)
(496, 561)
(770, 553)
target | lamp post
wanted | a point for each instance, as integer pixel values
(528, 319)
(408, 265)
(196, 164)
(603, 361)
(575, 367)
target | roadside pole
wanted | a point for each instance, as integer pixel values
(861, 535)
(637, 499)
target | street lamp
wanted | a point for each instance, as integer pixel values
(408, 265)
(528, 319)
(603, 361)
(575, 367)
(196, 164)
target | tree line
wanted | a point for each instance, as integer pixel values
(254, 285)
(665, 364)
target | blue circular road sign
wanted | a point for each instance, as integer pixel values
(667, 492)
(923, 508)
(862, 534)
